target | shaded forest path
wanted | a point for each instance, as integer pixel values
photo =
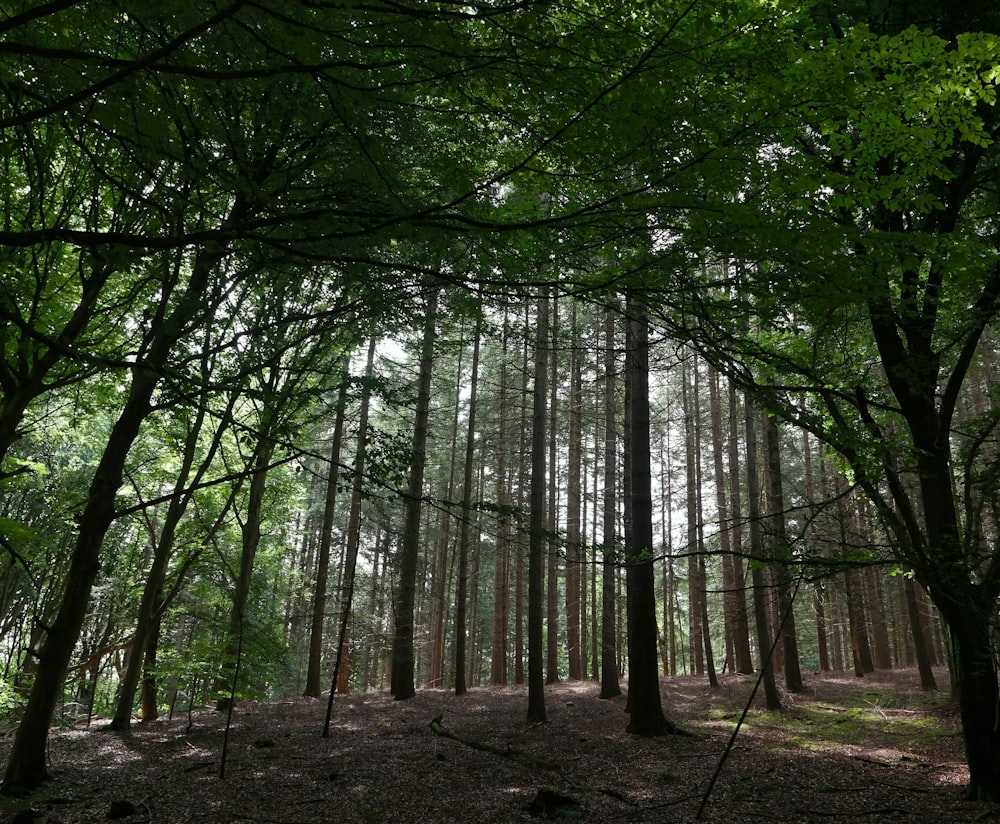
(872, 749)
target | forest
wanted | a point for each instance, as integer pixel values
(389, 345)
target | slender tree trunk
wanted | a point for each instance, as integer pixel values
(151, 602)
(552, 560)
(725, 527)
(610, 687)
(818, 605)
(573, 495)
(353, 535)
(467, 517)
(920, 651)
(536, 520)
(314, 670)
(644, 705)
(501, 562)
(523, 482)
(439, 586)
(696, 647)
(741, 628)
(403, 659)
(250, 534)
(781, 550)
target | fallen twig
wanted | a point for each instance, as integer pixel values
(503, 752)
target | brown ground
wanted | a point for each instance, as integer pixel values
(872, 749)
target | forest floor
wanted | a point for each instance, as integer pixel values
(849, 749)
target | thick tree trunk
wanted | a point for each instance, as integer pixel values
(403, 659)
(644, 705)
(975, 673)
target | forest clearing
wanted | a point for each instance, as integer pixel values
(849, 749)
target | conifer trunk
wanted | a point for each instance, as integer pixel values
(645, 708)
(403, 658)
(536, 519)
(468, 514)
(610, 687)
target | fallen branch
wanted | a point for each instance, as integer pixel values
(503, 752)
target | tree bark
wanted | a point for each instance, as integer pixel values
(645, 709)
(573, 495)
(552, 559)
(501, 562)
(467, 517)
(764, 644)
(780, 551)
(610, 687)
(536, 519)
(314, 667)
(403, 659)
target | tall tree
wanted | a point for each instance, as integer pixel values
(403, 658)
(574, 554)
(645, 709)
(764, 642)
(780, 551)
(318, 622)
(610, 687)
(467, 518)
(536, 517)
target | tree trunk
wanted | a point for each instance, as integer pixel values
(501, 562)
(439, 581)
(26, 768)
(314, 668)
(552, 560)
(696, 646)
(780, 550)
(573, 495)
(764, 643)
(610, 687)
(523, 482)
(151, 601)
(975, 673)
(920, 650)
(403, 660)
(346, 600)
(741, 627)
(467, 517)
(536, 519)
(644, 706)
(250, 534)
